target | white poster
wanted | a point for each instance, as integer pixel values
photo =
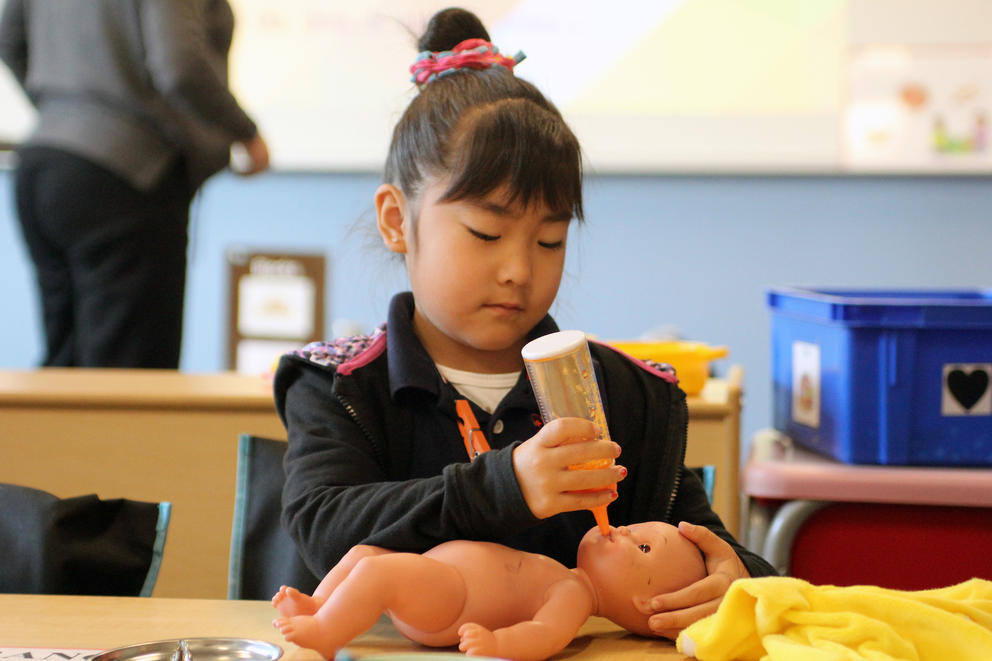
(276, 305)
(919, 108)
(806, 384)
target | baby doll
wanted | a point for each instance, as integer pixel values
(489, 599)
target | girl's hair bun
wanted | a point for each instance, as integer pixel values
(449, 27)
(482, 130)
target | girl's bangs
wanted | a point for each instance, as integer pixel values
(522, 148)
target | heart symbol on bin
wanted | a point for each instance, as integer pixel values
(968, 388)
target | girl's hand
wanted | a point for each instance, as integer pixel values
(541, 464)
(675, 611)
(253, 158)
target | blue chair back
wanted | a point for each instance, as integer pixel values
(263, 556)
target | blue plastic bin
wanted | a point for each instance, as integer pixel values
(884, 377)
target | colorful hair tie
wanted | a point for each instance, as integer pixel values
(469, 54)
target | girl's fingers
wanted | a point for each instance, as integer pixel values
(670, 623)
(593, 454)
(563, 431)
(571, 481)
(707, 541)
(547, 468)
(704, 590)
(720, 556)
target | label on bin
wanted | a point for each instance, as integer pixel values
(966, 389)
(806, 384)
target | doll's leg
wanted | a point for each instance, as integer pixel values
(420, 592)
(290, 601)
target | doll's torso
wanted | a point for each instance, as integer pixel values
(503, 586)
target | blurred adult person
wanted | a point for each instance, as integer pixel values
(134, 114)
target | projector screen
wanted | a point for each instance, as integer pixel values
(645, 84)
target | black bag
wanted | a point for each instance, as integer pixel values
(80, 545)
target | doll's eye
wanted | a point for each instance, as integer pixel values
(644, 548)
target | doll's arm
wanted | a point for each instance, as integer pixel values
(567, 607)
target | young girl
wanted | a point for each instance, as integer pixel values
(482, 180)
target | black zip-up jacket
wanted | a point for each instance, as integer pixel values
(375, 455)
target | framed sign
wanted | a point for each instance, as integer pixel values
(276, 304)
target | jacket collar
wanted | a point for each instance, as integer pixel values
(410, 366)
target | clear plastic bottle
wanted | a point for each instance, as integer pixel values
(564, 383)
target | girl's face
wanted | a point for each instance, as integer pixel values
(483, 273)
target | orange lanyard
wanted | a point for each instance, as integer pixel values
(475, 440)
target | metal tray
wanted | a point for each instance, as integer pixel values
(194, 649)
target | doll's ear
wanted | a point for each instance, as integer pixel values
(642, 605)
(391, 217)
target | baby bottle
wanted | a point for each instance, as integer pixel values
(562, 376)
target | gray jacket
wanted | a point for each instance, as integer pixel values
(128, 84)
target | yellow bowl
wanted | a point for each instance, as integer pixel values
(691, 360)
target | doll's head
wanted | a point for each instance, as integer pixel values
(635, 563)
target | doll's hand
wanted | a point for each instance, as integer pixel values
(476, 640)
(677, 610)
(541, 466)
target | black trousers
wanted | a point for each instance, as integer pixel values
(110, 260)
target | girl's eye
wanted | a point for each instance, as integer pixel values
(551, 245)
(644, 548)
(480, 235)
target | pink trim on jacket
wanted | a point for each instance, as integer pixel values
(364, 357)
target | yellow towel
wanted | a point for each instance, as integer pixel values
(787, 619)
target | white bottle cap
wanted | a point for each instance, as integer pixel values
(553, 345)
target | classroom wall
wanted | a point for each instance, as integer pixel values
(695, 252)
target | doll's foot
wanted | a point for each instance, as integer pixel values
(305, 631)
(291, 602)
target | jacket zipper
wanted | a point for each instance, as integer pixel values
(678, 473)
(361, 425)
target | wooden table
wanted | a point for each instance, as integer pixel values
(165, 435)
(109, 622)
(146, 435)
